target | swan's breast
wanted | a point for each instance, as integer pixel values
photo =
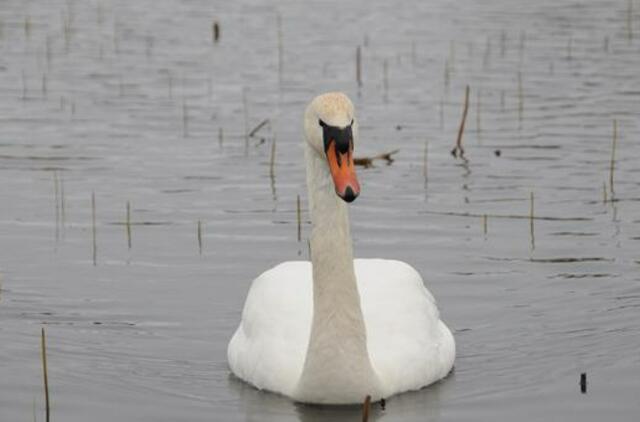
(269, 347)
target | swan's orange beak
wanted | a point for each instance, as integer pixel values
(343, 171)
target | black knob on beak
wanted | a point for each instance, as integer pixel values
(349, 195)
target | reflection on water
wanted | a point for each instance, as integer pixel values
(135, 103)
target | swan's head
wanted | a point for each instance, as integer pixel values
(331, 128)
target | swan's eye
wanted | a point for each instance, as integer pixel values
(321, 123)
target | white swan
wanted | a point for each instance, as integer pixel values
(337, 329)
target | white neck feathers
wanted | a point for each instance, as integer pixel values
(337, 360)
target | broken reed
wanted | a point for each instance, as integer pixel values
(43, 349)
(299, 215)
(612, 164)
(359, 66)
(366, 406)
(215, 32)
(458, 150)
(93, 227)
(128, 224)
(200, 237)
(485, 224)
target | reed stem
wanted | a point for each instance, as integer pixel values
(299, 215)
(43, 345)
(185, 120)
(200, 237)
(128, 224)
(385, 80)
(520, 100)
(485, 224)
(612, 164)
(280, 48)
(93, 227)
(359, 66)
(366, 406)
(531, 224)
(272, 159)
(215, 32)
(425, 162)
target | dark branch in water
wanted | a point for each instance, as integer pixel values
(367, 162)
(458, 150)
(257, 128)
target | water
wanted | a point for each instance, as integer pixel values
(142, 334)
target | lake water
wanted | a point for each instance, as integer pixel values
(135, 102)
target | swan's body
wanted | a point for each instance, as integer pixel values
(335, 330)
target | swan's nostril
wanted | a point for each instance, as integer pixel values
(349, 195)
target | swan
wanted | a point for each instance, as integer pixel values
(336, 329)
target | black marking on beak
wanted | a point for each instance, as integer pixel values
(349, 195)
(342, 137)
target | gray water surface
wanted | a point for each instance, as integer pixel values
(128, 100)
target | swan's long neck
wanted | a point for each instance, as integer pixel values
(337, 361)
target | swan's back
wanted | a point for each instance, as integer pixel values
(408, 345)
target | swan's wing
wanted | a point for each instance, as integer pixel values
(409, 345)
(269, 347)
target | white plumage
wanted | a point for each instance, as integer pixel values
(409, 346)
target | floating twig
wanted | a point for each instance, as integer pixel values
(458, 150)
(257, 128)
(200, 237)
(583, 383)
(367, 162)
(43, 349)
